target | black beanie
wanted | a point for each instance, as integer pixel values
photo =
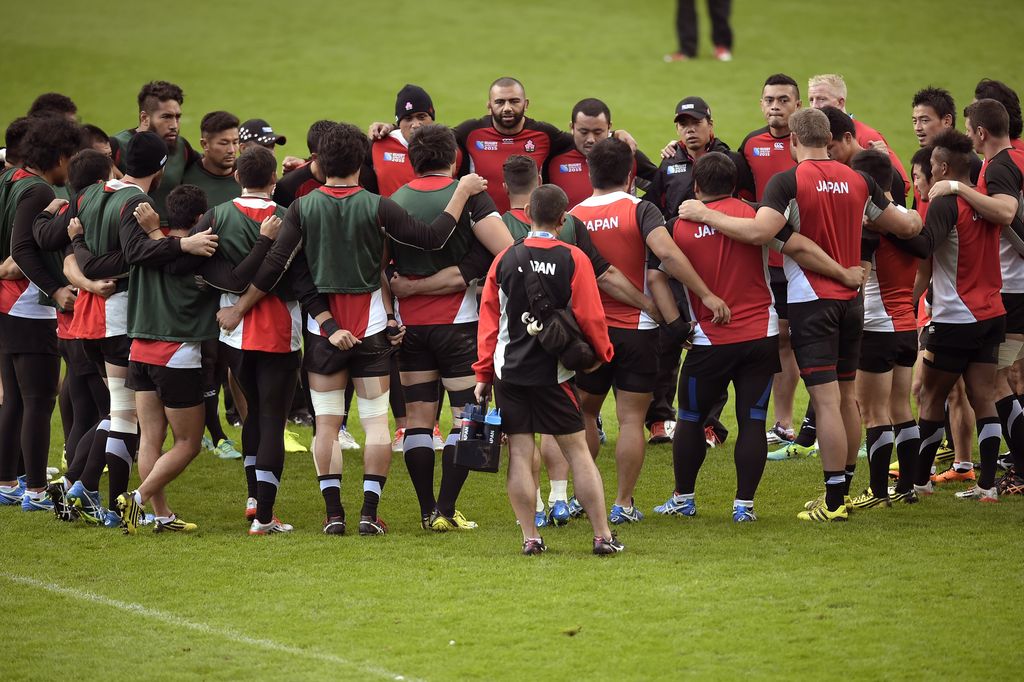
(146, 154)
(412, 99)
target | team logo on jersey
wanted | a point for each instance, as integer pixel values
(507, 140)
(529, 146)
(676, 168)
(781, 146)
(487, 145)
(396, 157)
(570, 168)
(762, 151)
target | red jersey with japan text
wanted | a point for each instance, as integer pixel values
(825, 201)
(618, 224)
(736, 272)
(487, 149)
(765, 155)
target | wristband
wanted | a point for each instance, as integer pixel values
(391, 317)
(954, 186)
(329, 326)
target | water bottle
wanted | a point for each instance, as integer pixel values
(472, 421)
(492, 427)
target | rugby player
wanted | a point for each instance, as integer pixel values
(29, 360)
(214, 172)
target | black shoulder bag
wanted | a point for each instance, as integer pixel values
(556, 329)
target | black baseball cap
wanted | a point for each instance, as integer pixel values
(259, 131)
(412, 99)
(693, 106)
(146, 154)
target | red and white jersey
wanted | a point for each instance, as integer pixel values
(736, 272)
(20, 298)
(100, 318)
(618, 224)
(825, 201)
(1004, 174)
(426, 309)
(361, 314)
(889, 291)
(173, 354)
(271, 326)
(391, 164)
(965, 265)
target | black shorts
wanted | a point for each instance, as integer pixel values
(778, 284)
(244, 361)
(954, 346)
(881, 351)
(113, 349)
(553, 410)
(176, 387)
(634, 367)
(825, 335)
(757, 357)
(20, 335)
(371, 358)
(446, 348)
(1014, 304)
(75, 357)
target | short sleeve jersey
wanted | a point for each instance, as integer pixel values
(825, 201)
(1004, 174)
(618, 225)
(486, 150)
(736, 272)
(764, 155)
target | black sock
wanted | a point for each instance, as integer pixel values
(419, 460)
(373, 485)
(1012, 423)
(835, 481)
(808, 433)
(988, 448)
(97, 457)
(120, 452)
(688, 454)
(908, 444)
(266, 493)
(330, 488)
(879, 443)
(452, 479)
(251, 487)
(213, 425)
(931, 436)
(848, 477)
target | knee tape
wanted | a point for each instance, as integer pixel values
(1009, 352)
(425, 392)
(373, 407)
(328, 402)
(121, 399)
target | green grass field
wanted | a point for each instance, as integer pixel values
(895, 593)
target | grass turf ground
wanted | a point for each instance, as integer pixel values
(884, 595)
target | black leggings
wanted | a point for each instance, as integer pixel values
(268, 381)
(697, 397)
(30, 392)
(89, 400)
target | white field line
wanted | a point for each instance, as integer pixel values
(205, 628)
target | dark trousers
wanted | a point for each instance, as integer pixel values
(686, 24)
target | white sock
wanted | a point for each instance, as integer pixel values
(559, 492)
(963, 467)
(540, 501)
(749, 504)
(166, 519)
(138, 498)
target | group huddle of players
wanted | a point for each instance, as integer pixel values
(357, 268)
